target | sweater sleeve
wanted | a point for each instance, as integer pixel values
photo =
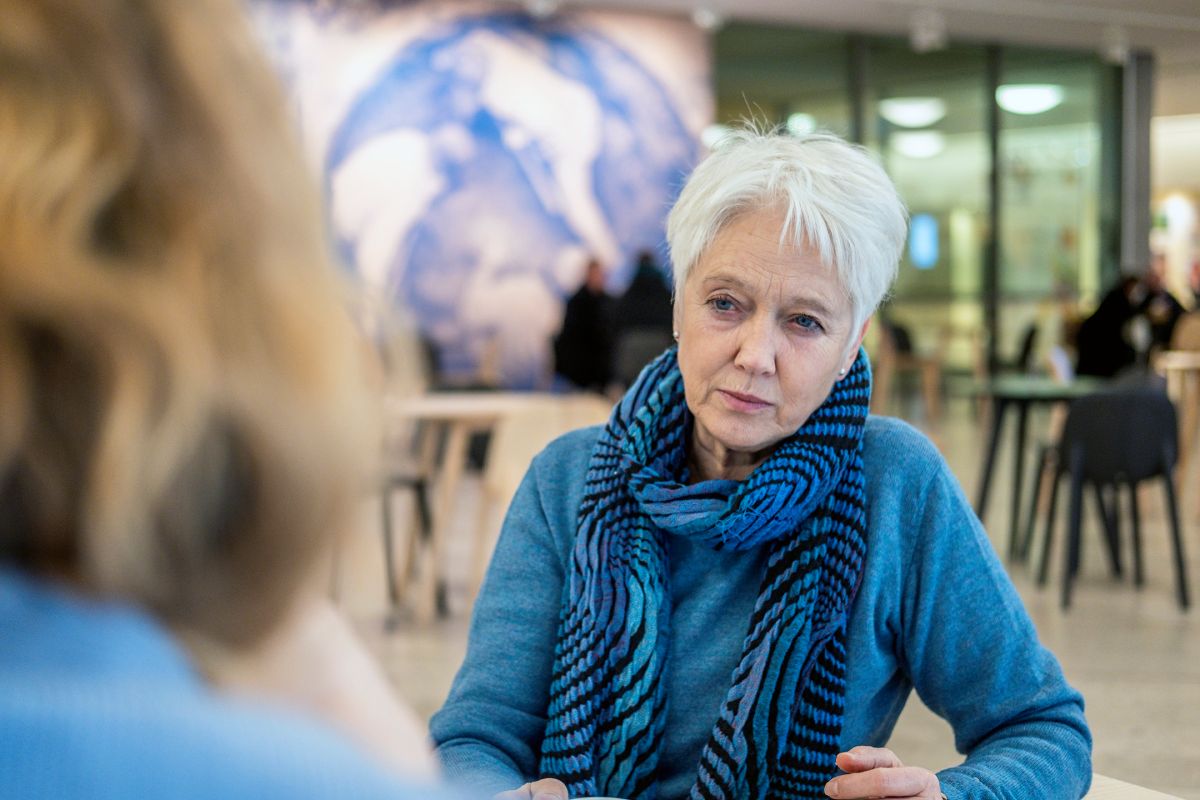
(489, 731)
(974, 658)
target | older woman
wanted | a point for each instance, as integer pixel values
(184, 425)
(730, 590)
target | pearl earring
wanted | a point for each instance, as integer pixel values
(841, 372)
(675, 335)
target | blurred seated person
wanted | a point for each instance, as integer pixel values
(1194, 283)
(731, 589)
(1103, 342)
(643, 320)
(1161, 308)
(646, 302)
(183, 419)
(899, 338)
(583, 349)
(1134, 317)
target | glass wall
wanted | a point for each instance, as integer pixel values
(925, 115)
(935, 119)
(1052, 258)
(784, 75)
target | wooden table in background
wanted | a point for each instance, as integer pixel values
(458, 415)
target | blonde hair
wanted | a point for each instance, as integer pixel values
(183, 420)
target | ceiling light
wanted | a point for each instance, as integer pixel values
(713, 134)
(912, 112)
(1115, 45)
(540, 9)
(800, 124)
(927, 31)
(1029, 98)
(918, 144)
(706, 19)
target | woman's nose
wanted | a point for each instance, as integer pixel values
(756, 348)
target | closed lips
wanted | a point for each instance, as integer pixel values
(746, 398)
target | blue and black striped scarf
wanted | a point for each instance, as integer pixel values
(778, 730)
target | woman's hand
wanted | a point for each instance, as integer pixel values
(545, 789)
(876, 772)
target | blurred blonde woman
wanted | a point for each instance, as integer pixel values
(183, 425)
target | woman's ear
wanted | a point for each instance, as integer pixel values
(852, 350)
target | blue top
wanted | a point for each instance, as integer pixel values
(935, 612)
(97, 701)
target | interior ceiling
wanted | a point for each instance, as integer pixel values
(1171, 28)
(1168, 28)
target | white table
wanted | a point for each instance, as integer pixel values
(1112, 789)
(458, 414)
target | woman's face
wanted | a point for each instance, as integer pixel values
(763, 331)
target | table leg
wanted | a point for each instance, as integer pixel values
(1014, 526)
(989, 460)
(454, 456)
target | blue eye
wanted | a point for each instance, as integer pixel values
(808, 323)
(721, 304)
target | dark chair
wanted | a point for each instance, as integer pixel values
(635, 348)
(1023, 363)
(1115, 439)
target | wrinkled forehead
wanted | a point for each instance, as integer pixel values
(758, 249)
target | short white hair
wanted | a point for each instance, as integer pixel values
(834, 196)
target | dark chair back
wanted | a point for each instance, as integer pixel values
(1112, 439)
(1024, 361)
(1127, 434)
(637, 347)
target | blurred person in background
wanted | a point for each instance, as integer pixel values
(1135, 317)
(1161, 308)
(583, 349)
(732, 588)
(643, 319)
(1105, 343)
(1194, 283)
(184, 426)
(646, 302)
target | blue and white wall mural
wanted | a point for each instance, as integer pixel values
(473, 156)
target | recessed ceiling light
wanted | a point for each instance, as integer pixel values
(713, 134)
(707, 19)
(800, 123)
(541, 9)
(912, 112)
(918, 144)
(927, 31)
(1115, 45)
(1029, 98)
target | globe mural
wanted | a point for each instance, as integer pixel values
(473, 172)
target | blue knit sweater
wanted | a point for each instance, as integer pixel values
(97, 701)
(935, 612)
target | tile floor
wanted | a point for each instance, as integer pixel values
(1133, 654)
